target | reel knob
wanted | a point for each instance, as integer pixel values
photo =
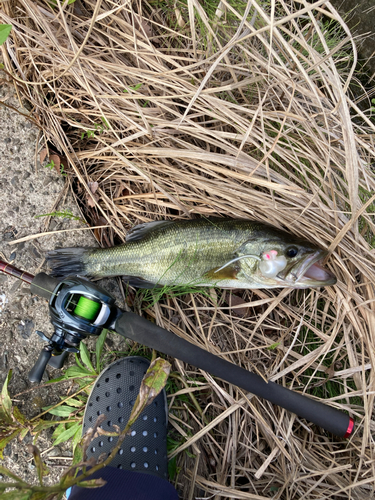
(36, 372)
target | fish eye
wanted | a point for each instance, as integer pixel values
(291, 252)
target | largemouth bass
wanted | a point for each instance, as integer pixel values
(227, 253)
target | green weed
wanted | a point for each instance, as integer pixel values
(149, 297)
(273, 346)
(99, 127)
(136, 87)
(13, 424)
(53, 3)
(66, 214)
(153, 382)
(72, 409)
(51, 165)
(5, 30)
(322, 386)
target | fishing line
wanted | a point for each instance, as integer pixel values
(87, 308)
(238, 258)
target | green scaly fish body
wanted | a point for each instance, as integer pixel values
(177, 254)
(193, 252)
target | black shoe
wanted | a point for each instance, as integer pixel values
(114, 395)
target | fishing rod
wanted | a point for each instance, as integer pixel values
(79, 308)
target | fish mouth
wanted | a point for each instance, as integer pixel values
(309, 272)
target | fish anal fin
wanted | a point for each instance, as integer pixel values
(227, 273)
(139, 282)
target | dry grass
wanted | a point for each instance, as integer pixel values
(246, 113)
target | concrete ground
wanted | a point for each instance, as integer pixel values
(29, 189)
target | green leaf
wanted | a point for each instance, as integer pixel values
(55, 380)
(85, 356)
(41, 425)
(5, 401)
(75, 402)
(62, 411)
(172, 468)
(5, 30)
(64, 436)
(99, 348)
(273, 346)
(77, 437)
(86, 382)
(40, 465)
(23, 434)
(50, 165)
(77, 455)
(152, 384)
(4, 441)
(136, 87)
(92, 483)
(79, 362)
(6, 472)
(106, 124)
(18, 416)
(59, 430)
(16, 495)
(157, 375)
(41, 495)
(4, 417)
(76, 371)
(44, 424)
(53, 3)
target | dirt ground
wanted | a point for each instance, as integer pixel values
(29, 189)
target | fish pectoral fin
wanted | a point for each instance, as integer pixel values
(138, 282)
(142, 230)
(227, 273)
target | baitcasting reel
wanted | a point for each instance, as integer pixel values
(78, 308)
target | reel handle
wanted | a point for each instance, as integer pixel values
(36, 372)
(57, 362)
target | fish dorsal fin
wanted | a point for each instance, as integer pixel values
(142, 230)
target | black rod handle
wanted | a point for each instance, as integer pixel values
(132, 326)
(36, 372)
(43, 285)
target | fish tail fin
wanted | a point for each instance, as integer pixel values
(67, 261)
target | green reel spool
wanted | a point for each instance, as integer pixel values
(87, 308)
